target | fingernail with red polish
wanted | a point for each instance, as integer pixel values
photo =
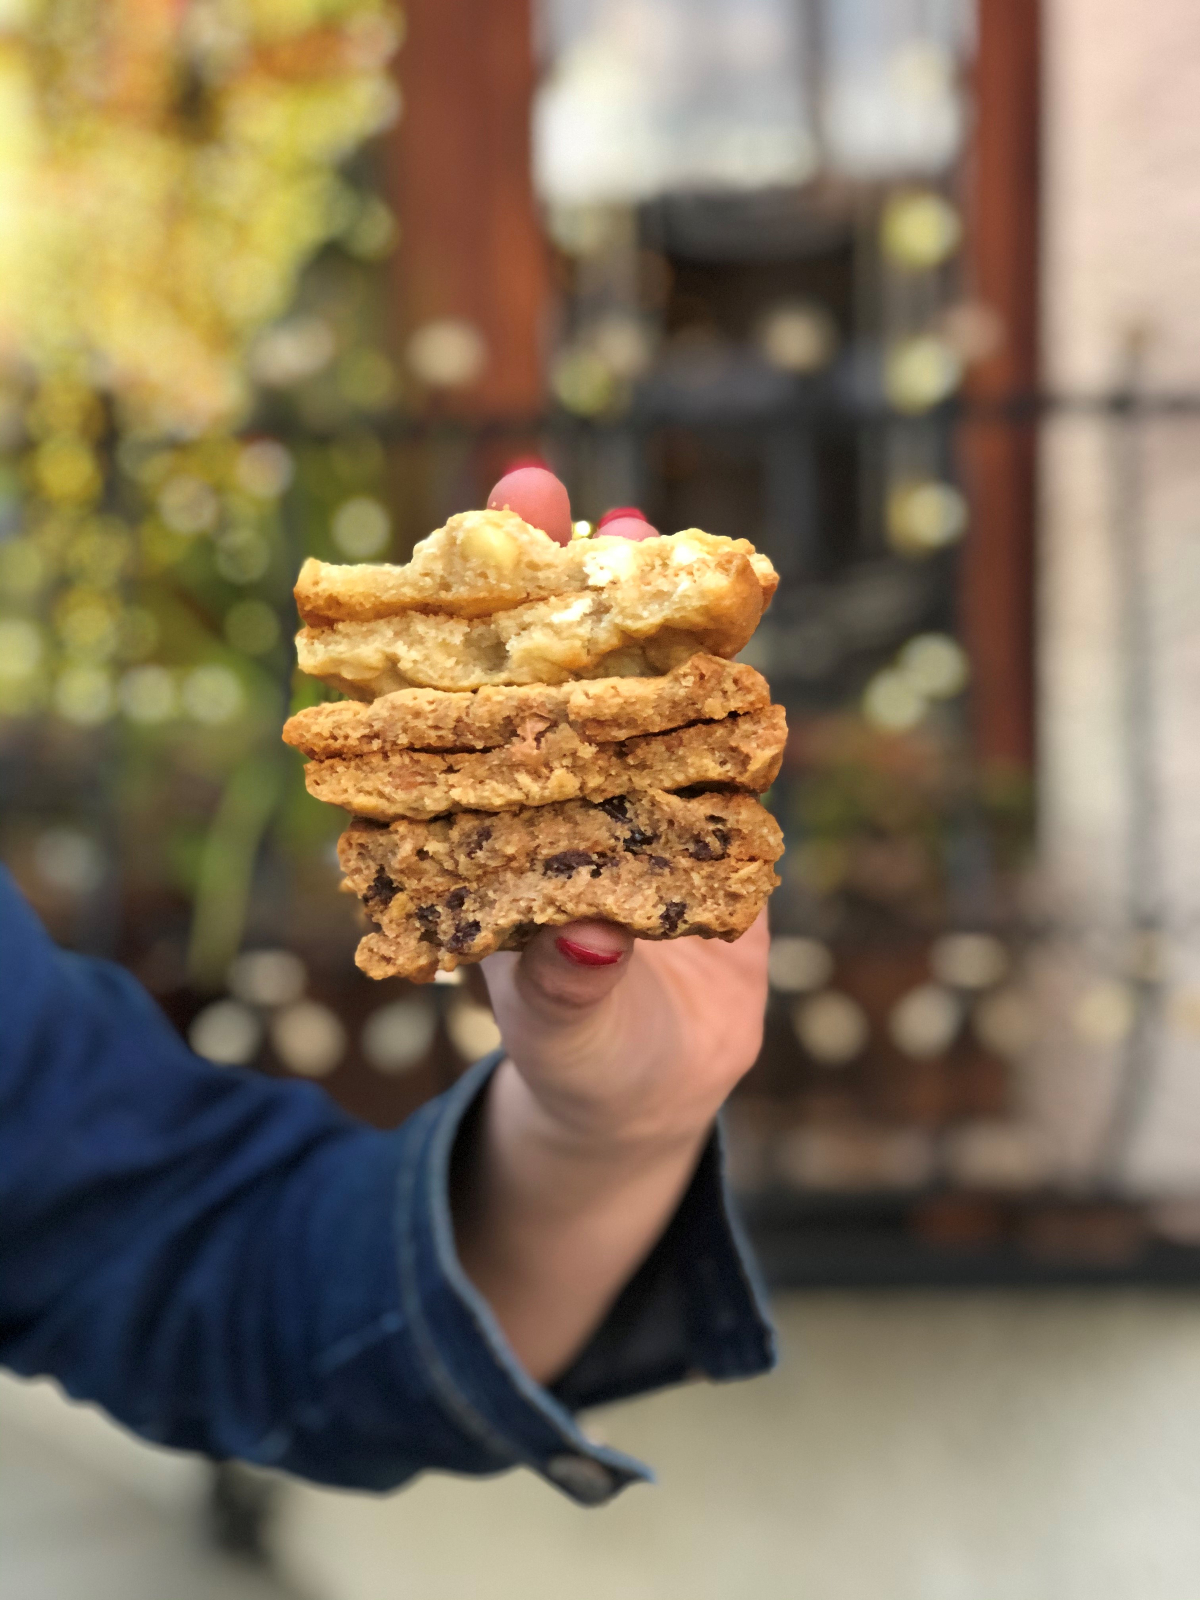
(622, 511)
(583, 957)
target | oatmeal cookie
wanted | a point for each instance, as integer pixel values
(704, 688)
(742, 752)
(457, 889)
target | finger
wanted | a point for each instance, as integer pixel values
(756, 941)
(626, 522)
(574, 967)
(535, 494)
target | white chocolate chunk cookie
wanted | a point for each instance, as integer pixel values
(487, 561)
(488, 600)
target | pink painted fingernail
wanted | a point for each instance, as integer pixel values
(616, 512)
(583, 957)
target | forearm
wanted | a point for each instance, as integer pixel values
(551, 1225)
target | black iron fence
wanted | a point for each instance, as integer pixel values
(896, 1127)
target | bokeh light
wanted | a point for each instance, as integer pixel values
(925, 516)
(919, 229)
(968, 960)
(797, 337)
(267, 977)
(398, 1036)
(797, 966)
(84, 695)
(227, 1032)
(925, 1021)
(212, 694)
(292, 351)
(584, 382)
(472, 1028)
(831, 1027)
(623, 343)
(21, 648)
(265, 468)
(69, 860)
(935, 665)
(148, 694)
(1006, 1021)
(242, 555)
(921, 372)
(1104, 1014)
(996, 1155)
(308, 1038)
(188, 504)
(892, 702)
(362, 528)
(449, 353)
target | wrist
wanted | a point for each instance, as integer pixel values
(551, 1218)
(609, 1134)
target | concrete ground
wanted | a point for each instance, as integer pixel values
(922, 1447)
(88, 1513)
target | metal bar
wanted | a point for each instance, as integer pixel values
(829, 413)
(1144, 882)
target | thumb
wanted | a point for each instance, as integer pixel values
(560, 975)
(572, 968)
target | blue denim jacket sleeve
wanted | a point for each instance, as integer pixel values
(227, 1263)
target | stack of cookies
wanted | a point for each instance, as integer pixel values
(539, 733)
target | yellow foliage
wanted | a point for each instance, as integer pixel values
(165, 172)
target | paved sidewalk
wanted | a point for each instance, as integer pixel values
(911, 1447)
(86, 1513)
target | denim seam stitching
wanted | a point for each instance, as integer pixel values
(354, 1344)
(451, 1396)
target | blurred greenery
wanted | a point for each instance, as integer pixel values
(893, 818)
(192, 284)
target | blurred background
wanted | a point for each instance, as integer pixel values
(903, 291)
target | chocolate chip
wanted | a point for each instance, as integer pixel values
(566, 862)
(456, 899)
(383, 890)
(714, 849)
(659, 863)
(428, 917)
(462, 936)
(617, 808)
(637, 838)
(478, 840)
(672, 914)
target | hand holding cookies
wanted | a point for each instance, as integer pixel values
(542, 730)
(552, 764)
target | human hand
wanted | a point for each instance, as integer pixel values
(620, 1039)
(619, 1053)
(629, 1044)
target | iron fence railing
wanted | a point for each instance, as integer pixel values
(851, 1159)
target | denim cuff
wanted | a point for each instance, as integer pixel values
(694, 1308)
